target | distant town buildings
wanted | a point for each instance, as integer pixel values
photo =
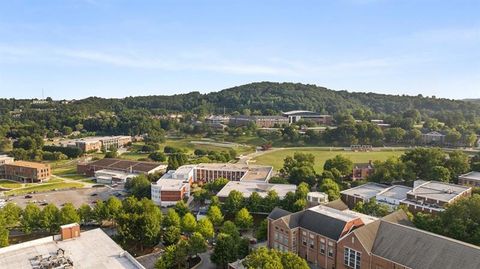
(70, 249)
(26, 171)
(433, 138)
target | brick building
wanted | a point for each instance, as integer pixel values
(470, 179)
(313, 234)
(119, 165)
(362, 170)
(393, 243)
(4, 159)
(27, 171)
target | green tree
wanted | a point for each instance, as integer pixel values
(189, 223)
(30, 218)
(331, 188)
(197, 243)
(372, 208)
(167, 260)
(225, 251)
(441, 173)
(243, 219)
(299, 168)
(234, 202)
(215, 215)
(270, 201)
(114, 207)
(4, 232)
(341, 163)
(86, 213)
(205, 228)
(139, 186)
(50, 218)
(157, 156)
(181, 208)
(172, 219)
(68, 214)
(263, 258)
(171, 235)
(262, 230)
(12, 213)
(230, 228)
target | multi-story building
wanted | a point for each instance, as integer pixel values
(97, 143)
(297, 115)
(391, 196)
(173, 186)
(259, 121)
(313, 234)
(207, 172)
(127, 167)
(470, 179)
(4, 159)
(362, 170)
(433, 138)
(251, 176)
(393, 243)
(261, 188)
(316, 198)
(433, 196)
(27, 171)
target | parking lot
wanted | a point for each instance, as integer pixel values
(76, 196)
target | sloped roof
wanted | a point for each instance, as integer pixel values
(277, 213)
(403, 245)
(337, 204)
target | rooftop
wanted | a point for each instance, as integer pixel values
(301, 112)
(30, 164)
(247, 188)
(471, 176)
(365, 191)
(438, 190)
(135, 166)
(252, 172)
(170, 184)
(397, 192)
(345, 215)
(93, 249)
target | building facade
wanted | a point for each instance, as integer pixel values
(362, 170)
(470, 179)
(4, 159)
(27, 171)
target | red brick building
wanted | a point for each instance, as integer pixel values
(362, 170)
(27, 171)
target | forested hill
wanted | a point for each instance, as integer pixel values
(269, 98)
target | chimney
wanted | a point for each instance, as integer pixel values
(69, 231)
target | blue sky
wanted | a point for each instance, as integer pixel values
(116, 48)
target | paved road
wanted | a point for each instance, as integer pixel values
(206, 263)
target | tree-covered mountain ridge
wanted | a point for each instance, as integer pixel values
(272, 97)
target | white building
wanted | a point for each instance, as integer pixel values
(106, 176)
(317, 198)
(249, 187)
(393, 196)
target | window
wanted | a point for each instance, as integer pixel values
(322, 246)
(330, 251)
(276, 236)
(351, 258)
(304, 240)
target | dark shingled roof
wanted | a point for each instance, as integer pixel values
(419, 249)
(278, 213)
(314, 221)
(337, 204)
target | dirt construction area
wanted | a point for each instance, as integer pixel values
(77, 196)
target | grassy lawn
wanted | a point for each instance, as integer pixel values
(275, 158)
(133, 155)
(9, 184)
(42, 187)
(61, 171)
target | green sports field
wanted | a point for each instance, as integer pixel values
(276, 157)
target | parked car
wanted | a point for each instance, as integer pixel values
(28, 196)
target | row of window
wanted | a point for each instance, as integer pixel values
(352, 258)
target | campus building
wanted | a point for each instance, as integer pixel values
(259, 121)
(393, 242)
(470, 179)
(392, 196)
(27, 171)
(174, 185)
(111, 170)
(362, 170)
(313, 234)
(4, 159)
(433, 138)
(97, 143)
(70, 249)
(297, 115)
(261, 188)
(432, 196)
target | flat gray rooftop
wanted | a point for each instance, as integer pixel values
(247, 188)
(93, 249)
(471, 176)
(396, 192)
(438, 190)
(365, 191)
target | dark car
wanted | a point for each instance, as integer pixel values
(94, 194)
(28, 196)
